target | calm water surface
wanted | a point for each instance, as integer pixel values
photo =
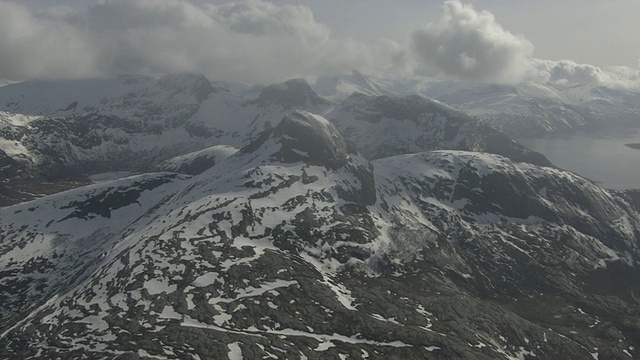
(601, 157)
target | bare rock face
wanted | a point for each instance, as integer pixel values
(292, 94)
(309, 138)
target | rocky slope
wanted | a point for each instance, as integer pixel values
(296, 246)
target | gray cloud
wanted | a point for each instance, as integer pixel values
(252, 42)
(261, 18)
(259, 42)
(32, 46)
(470, 44)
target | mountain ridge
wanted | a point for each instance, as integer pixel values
(134, 124)
(526, 109)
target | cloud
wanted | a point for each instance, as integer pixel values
(569, 72)
(469, 44)
(32, 46)
(259, 42)
(254, 42)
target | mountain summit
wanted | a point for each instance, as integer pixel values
(292, 94)
(311, 138)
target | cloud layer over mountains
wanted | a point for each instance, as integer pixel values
(251, 42)
(259, 42)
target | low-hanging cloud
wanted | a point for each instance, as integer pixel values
(469, 44)
(254, 42)
(566, 72)
(32, 46)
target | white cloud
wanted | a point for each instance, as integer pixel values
(569, 72)
(469, 44)
(252, 42)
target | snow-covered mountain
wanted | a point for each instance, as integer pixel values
(49, 97)
(528, 109)
(58, 132)
(339, 87)
(236, 118)
(382, 126)
(55, 135)
(296, 246)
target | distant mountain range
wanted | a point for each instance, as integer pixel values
(55, 135)
(528, 109)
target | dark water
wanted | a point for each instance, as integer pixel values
(601, 157)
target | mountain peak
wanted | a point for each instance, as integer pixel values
(291, 94)
(195, 84)
(312, 139)
(408, 107)
(360, 79)
(302, 136)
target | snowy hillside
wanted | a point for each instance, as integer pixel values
(198, 161)
(296, 246)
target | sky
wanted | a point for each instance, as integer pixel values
(260, 41)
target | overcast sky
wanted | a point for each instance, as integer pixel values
(263, 41)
